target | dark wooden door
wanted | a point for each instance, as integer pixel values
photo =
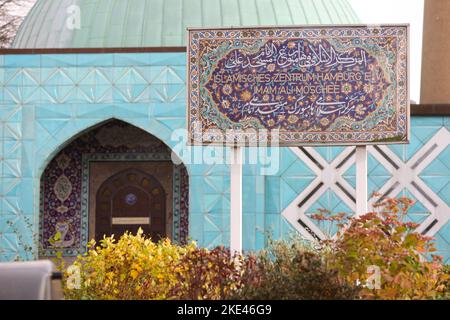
(129, 200)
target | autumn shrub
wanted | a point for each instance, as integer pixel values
(446, 284)
(293, 270)
(133, 267)
(381, 251)
(204, 274)
(374, 256)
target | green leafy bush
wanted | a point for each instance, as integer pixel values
(293, 271)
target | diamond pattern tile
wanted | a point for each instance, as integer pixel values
(436, 175)
(46, 100)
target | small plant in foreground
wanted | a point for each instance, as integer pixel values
(294, 271)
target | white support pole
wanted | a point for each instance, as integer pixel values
(236, 200)
(361, 180)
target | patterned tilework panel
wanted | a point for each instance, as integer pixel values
(324, 178)
(64, 184)
(45, 100)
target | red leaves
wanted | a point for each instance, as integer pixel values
(208, 274)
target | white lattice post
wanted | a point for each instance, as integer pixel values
(361, 180)
(236, 200)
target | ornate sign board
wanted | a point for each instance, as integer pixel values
(308, 85)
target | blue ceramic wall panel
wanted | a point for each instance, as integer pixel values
(436, 174)
(48, 100)
(69, 95)
(429, 148)
(443, 242)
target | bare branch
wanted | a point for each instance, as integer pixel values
(11, 18)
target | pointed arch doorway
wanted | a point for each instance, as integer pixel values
(133, 198)
(112, 178)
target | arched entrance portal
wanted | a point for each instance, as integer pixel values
(113, 178)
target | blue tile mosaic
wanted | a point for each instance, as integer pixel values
(48, 100)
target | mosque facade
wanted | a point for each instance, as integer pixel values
(90, 116)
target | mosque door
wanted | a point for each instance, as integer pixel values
(129, 200)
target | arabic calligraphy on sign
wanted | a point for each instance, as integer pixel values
(312, 89)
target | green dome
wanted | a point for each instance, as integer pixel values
(162, 23)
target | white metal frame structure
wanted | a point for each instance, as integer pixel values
(404, 175)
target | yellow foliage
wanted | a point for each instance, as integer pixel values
(131, 268)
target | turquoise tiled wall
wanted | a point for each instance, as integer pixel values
(47, 100)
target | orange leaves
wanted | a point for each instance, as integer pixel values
(383, 239)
